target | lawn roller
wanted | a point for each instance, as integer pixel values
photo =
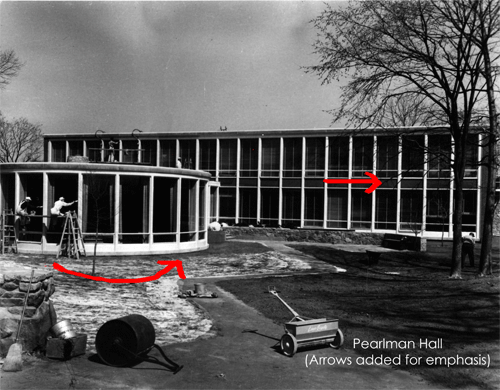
(305, 332)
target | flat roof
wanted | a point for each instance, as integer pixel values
(252, 133)
(86, 167)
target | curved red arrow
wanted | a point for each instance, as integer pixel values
(373, 179)
(170, 264)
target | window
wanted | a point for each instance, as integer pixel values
(387, 156)
(270, 157)
(291, 208)
(412, 159)
(134, 209)
(227, 205)
(130, 151)
(167, 153)
(469, 210)
(471, 155)
(338, 161)
(361, 209)
(248, 206)
(207, 155)
(411, 210)
(314, 207)
(385, 212)
(148, 153)
(58, 151)
(337, 209)
(315, 157)
(269, 206)
(439, 155)
(188, 210)
(438, 210)
(227, 163)
(249, 157)
(292, 164)
(188, 153)
(362, 149)
(75, 148)
(94, 150)
(165, 209)
(98, 206)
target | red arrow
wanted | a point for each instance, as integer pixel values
(170, 264)
(373, 180)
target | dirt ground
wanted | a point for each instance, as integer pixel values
(406, 297)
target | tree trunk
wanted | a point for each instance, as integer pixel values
(456, 266)
(491, 167)
(459, 170)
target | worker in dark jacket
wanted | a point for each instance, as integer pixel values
(468, 244)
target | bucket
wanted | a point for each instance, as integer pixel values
(199, 288)
(63, 330)
(119, 342)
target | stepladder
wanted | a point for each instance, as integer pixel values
(71, 244)
(8, 232)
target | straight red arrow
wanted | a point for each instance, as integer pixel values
(375, 182)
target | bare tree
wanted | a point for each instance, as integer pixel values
(10, 66)
(391, 49)
(20, 140)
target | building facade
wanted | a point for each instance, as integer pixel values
(275, 177)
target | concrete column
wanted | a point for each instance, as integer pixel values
(374, 204)
(117, 211)
(238, 164)
(349, 185)
(259, 173)
(303, 183)
(151, 210)
(399, 178)
(178, 213)
(280, 183)
(325, 186)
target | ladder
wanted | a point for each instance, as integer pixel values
(8, 232)
(71, 243)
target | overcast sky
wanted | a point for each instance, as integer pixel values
(164, 66)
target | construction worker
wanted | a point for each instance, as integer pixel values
(468, 244)
(111, 150)
(56, 210)
(22, 210)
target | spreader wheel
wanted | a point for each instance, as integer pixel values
(288, 345)
(339, 340)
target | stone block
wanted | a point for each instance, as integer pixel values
(34, 286)
(14, 294)
(2, 279)
(10, 302)
(18, 310)
(10, 286)
(66, 349)
(36, 298)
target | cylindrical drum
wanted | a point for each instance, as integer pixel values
(119, 342)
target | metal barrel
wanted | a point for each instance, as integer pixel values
(120, 342)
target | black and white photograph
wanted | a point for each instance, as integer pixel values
(250, 194)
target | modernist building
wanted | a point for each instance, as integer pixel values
(268, 177)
